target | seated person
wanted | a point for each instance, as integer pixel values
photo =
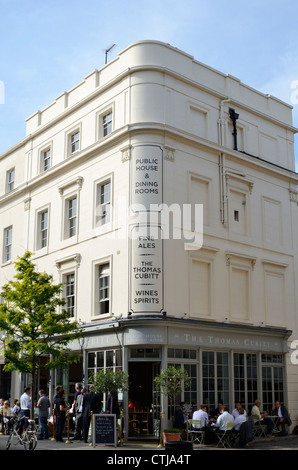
(202, 415)
(217, 411)
(283, 415)
(262, 417)
(235, 411)
(241, 418)
(224, 418)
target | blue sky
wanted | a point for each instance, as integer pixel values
(48, 46)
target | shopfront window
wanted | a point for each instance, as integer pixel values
(105, 359)
(272, 380)
(186, 359)
(245, 379)
(136, 353)
(215, 376)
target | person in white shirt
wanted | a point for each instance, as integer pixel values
(202, 415)
(224, 418)
(25, 404)
(261, 418)
(238, 406)
(241, 418)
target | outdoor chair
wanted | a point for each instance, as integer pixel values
(259, 429)
(196, 434)
(225, 437)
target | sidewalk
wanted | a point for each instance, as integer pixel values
(289, 442)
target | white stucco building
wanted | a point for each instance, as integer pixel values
(100, 190)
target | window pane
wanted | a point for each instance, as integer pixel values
(104, 203)
(70, 293)
(104, 289)
(74, 142)
(46, 163)
(100, 360)
(72, 217)
(43, 229)
(107, 124)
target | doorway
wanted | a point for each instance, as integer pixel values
(144, 403)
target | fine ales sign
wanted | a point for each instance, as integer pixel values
(146, 270)
(146, 257)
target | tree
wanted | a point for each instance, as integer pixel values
(171, 382)
(110, 381)
(34, 322)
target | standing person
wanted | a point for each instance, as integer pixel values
(283, 417)
(58, 389)
(91, 402)
(43, 406)
(79, 415)
(60, 415)
(78, 390)
(112, 404)
(25, 404)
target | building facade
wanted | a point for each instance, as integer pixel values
(163, 194)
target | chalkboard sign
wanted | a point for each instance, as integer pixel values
(104, 429)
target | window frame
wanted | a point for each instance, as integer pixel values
(10, 182)
(74, 142)
(104, 129)
(70, 298)
(46, 159)
(7, 244)
(103, 273)
(76, 130)
(102, 268)
(40, 230)
(71, 216)
(107, 124)
(103, 210)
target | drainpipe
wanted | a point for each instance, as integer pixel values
(234, 116)
(221, 122)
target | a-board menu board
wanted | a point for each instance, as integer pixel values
(104, 429)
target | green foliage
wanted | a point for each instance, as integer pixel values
(34, 322)
(172, 381)
(109, 381)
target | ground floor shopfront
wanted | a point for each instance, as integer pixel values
(226, 363)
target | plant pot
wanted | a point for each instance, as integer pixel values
(171, 436)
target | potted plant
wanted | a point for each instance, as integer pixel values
(171, 382)
(110, 382)
(171, 434)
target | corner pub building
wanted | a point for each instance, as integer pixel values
(107, 190)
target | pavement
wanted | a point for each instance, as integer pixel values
(289, 442)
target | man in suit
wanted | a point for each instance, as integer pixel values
(79, 415)
(283, 415)
(91, 402)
